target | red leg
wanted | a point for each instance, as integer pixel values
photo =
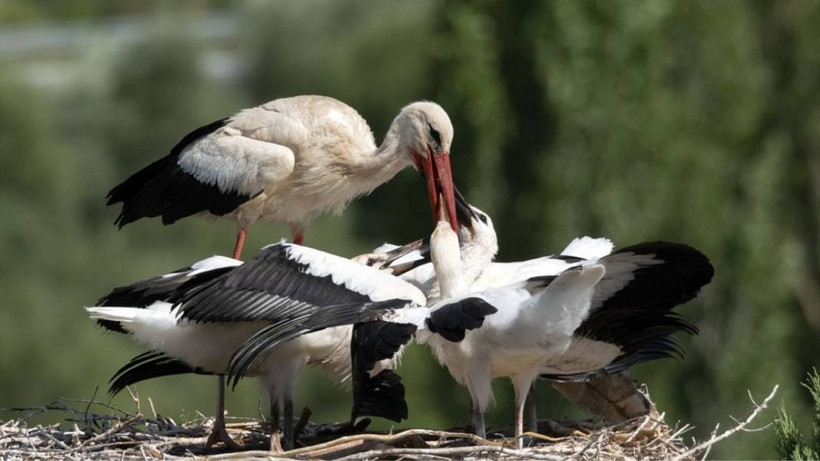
(240, 242)
(298, 238)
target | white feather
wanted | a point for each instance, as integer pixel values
(365, 280)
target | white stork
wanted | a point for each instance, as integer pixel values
(574, 316)
(288, 161)
(194, 319)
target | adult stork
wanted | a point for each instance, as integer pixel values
(288, 161)
(194, 319)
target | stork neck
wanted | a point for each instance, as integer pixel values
(383, 163)
(391, 144)
(446, 258)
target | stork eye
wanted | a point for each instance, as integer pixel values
(482, 217)
(435, 134)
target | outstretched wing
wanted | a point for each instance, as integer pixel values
(144, 293)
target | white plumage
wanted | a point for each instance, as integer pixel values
(219, 312)
(561, 316)
(288, 161)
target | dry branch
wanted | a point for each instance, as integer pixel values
(126, 435)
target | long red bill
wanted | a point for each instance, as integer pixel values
(444, 176)
(425, 164)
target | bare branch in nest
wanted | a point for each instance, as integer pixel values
(715, 439)
(124, 435)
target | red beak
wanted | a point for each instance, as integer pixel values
(438, 177)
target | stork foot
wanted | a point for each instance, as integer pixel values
(276, 442)
(219, 434)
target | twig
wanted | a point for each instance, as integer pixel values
(153, 410)
(88, 407)
(135, 396)
(381, 453)
(729, 432)
(640, 427)
(118, 427)
(709, 448)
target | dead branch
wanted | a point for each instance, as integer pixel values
(715, 439)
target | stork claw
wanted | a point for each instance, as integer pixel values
(219, 434)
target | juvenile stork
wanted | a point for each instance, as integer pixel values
(195, 318)
(288, 161)
(585, 313)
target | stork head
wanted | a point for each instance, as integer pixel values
(476, 234)
(425, 134)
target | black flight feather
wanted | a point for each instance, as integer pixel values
(271, 287)
(146, 292)
(451, 321)
(257, 347)
(164, 189)
(638, 318)
(148, 366)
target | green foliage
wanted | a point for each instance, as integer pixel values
(789, 441)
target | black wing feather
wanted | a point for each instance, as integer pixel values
(638, 318)
(146, 292)
(148, 366)
(265, 340)
(381, 396)
(451, 321)
(271, 287)
(164, 189)
(642, 310)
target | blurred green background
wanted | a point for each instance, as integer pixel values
(690, 121)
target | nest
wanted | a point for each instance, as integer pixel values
(124, 435)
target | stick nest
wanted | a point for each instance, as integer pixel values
(124, 435)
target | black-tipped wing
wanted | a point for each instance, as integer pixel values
(265, 340)
(287, 281)
(632, 306)
(164, 287)
(452, 320)
(658, 348)
(148, 366)
(165, 189)
(666, 275)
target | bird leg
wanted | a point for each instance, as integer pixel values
(531, 409)
(302, 423)
(287, 435)
(240, 242)
(477, 417)
(218, 432)
(519, 420)
(522, 385)
(275, 434)
(299, 237)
